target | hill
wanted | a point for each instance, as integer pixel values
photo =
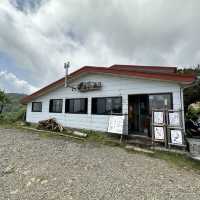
(14, 105)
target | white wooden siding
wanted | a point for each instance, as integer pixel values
(111, 86)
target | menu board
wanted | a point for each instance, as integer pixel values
(174, 119)
(176, 137)
(158, 117)
(116, 124)
(159, 133)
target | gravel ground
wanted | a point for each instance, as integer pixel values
(34, 167)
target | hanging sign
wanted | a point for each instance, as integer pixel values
(158, 117)
(176, 137)
(88, 86)
(116, 124)
(174, 119)
(159, 133)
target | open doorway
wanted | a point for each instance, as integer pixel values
(138, 114)
(140, 110)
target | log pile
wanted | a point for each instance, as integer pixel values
(51, 125)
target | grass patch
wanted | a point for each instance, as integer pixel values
(176, 159)
(103, 138)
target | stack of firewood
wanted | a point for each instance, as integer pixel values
(50, 124)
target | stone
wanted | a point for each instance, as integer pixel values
(28, 184)
(77, 133)
(14, 192)
(44, 182)
(9, 170)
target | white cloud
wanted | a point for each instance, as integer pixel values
(100, 33)
(10, 83)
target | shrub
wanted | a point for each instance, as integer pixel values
(11, 117)
(193, 111)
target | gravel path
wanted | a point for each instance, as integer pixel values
(33, 167)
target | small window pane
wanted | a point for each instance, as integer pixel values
(76, 106)
(117, 105)
(101, 106)
(36, 106)
(107, 105)
(160, 101)
(55, 105)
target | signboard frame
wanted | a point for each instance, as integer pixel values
(116, 124)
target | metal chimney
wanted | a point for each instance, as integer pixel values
(66, 66)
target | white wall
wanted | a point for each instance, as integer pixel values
(111, 86)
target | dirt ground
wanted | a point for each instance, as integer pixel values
(34, 167)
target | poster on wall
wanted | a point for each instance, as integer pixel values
(176, 137)
(159, 133)
(174, 119)
(158, 117)
(116, 124)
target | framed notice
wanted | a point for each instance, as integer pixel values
(174, 119)
(159, 133)
(158, 117)
(176, 137)
(116, 124)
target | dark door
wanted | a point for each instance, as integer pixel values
(139, 114)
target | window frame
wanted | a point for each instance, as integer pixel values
(164, 93)
(50, 111)
(73, 99)
(35, 102)
(112, 97)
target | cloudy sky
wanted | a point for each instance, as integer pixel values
(38, 36)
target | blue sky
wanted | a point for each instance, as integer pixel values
(38, 36)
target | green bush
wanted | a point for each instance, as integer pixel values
(193, 112)
(11, 117)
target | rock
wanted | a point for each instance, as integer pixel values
(129, 147)
(80, 134)
(33, 179)
(25, 172)
(44, 182)
(14, 192)
(9, 170)
(28, 184)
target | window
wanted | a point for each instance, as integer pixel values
(107, 105)
(78, 106)
(36, 106)
(55, 105)
(160, 101)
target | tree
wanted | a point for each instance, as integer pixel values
(191, 94)
(3, 100)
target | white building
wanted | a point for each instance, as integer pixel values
(95, 93)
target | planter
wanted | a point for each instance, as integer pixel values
(194, 148)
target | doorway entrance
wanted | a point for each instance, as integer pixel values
(138, 114)
(140, 110)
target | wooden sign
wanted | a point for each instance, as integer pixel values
(158, 117)
(116, 124)
(89, 86)
(176, 137)
(174, 119)
(159, 133)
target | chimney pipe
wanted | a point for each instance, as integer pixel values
(66, 66)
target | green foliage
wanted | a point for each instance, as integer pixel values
(10, 117)
(14, 105)
(193, 112)
(12, 110)
(191, 94)
(3, 100)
